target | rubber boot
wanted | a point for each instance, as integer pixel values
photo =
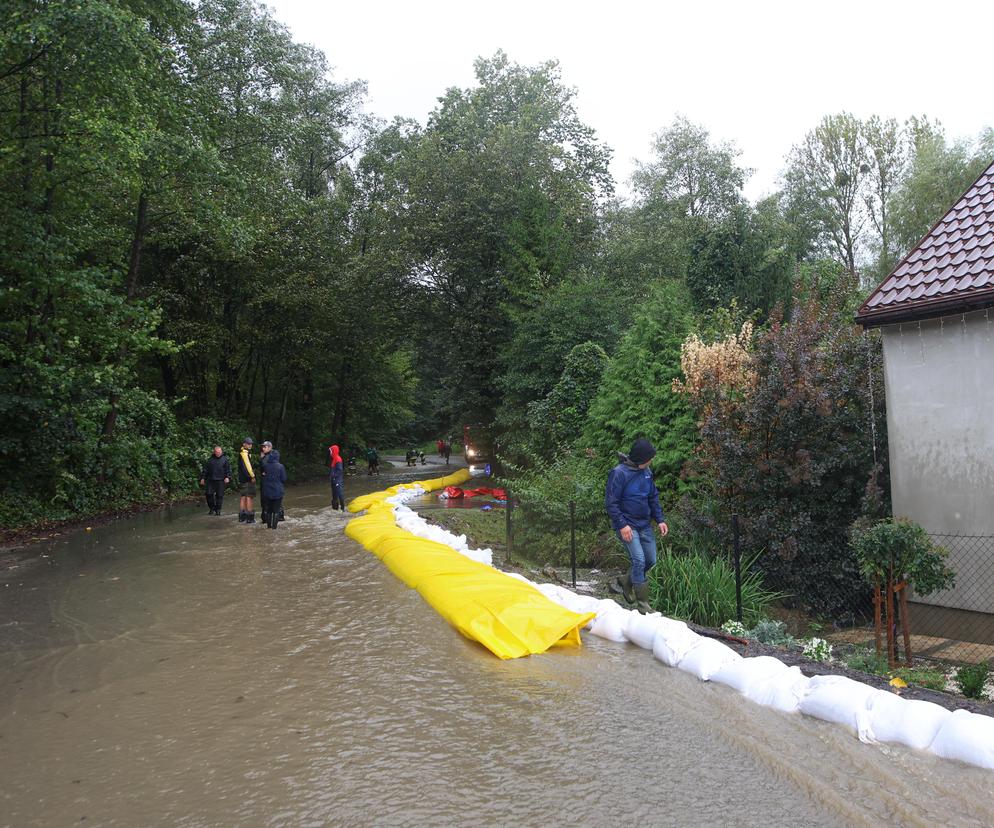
(623, 587)
(250, 517)
(241, 516)
(642, 595)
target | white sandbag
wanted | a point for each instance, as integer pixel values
(610, 624)
(783, 691)
(707, 658)
(910, 722)
(483, 556)
(581, 604)
(748, 672)
(841, 700)
(968, 737)
(673, 641)
(554, 592)
(642, 629)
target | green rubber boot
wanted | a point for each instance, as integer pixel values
(642, 596)
(623, 587)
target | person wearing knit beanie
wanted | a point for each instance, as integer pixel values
(632, 503)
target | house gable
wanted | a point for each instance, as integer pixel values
(950, 271)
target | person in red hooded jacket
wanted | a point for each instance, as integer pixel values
(337, 477)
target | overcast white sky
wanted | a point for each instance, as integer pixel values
(757, 73)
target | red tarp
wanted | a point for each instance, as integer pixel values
(454, 492)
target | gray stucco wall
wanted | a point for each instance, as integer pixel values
(940, 428)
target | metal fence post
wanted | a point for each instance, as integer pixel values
(510, 528)
(572, 539)
(737, 558)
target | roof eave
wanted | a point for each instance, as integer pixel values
(930, 309)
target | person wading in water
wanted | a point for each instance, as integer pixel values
(336, 476)
(216, 475)
(246, 480)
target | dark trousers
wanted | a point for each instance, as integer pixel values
(337, 495)
(271, 509)
(215, 494)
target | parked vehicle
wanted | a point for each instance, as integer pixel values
(478, 445)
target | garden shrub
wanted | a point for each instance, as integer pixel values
(771, 632)
(785, 443)
(971, 679)
(702, 589)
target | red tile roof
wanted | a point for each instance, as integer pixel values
(950, 271)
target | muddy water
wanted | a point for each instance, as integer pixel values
(181, 669)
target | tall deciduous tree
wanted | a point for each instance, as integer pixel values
(825, 179)
(500, 194)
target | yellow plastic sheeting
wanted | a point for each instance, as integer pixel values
(363, 502)
(507, 616)
(413, 559)
(374, 527)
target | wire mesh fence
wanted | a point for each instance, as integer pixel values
(955, 625)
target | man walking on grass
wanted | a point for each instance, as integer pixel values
(632, 503)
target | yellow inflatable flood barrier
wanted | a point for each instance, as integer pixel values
(507, 616)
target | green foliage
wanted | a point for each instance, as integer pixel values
(743, 258)
(583, 309)
(900, 549)
(557, 419)
(971, 679)
(938, 173)
(702, 589)
(541, 521)
(770, 632)
(867, 661)
(636, 398)
(770, 453)
(929, 679)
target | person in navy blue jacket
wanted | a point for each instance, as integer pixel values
(632, 503)
(273, 478)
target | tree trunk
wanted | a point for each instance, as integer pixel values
(891, 638)
(286, 397)
(131, 288)
(168, 377)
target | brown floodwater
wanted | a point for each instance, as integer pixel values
(179, 669)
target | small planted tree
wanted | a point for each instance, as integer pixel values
(893, 555)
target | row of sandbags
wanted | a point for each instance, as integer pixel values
(871, 714)
(509, 618)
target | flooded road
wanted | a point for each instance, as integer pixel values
(180, 669)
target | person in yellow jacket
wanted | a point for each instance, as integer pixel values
(246, 479)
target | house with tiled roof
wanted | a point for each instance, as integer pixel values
(936, 316)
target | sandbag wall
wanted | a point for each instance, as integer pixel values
(873, 715)
(513, 616)
(508, 617)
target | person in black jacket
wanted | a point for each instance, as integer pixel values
(273, 478)
(216, 475)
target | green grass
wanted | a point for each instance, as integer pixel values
(482, 529)
(867, 661)
(702, 589)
